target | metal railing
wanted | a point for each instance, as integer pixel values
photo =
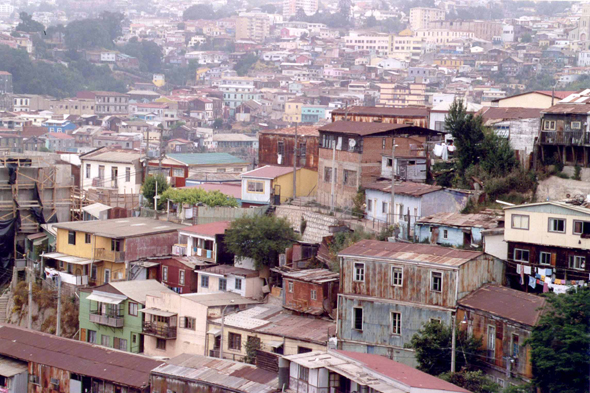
(110, 255)
(159, 330)
(110, 319)
(567, 138)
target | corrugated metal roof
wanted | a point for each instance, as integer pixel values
(318, 276)
(506, 303)
(210, 229)
(225, 270)
(138, 290)
(382, 111)
(206, 158)
(216, 299)
(477, 220)
(120, 156)
(10, 367)
(76, 356)
(405, 188)
(241, 377)
(495, 113)
(121, 228)
(366, 128)
(301, 131)
(410, 252)
(268, 172)
(580, 109)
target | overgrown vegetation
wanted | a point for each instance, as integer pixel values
(252, 345)
(193, 196)
(148, 190)
(358, 209)
(473, 381)
(341, 240)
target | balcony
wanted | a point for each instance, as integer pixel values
(203, 253)
(109, 255)
(565, 138)
(112, 320)
(160, 330)
(179, 249)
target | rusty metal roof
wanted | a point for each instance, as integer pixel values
(78, 357)
(410, 252)
(506, 303)
(316, 276)
(299, 328)
(495, 113)
(225, 270)
(405, 188)
(477, 220)
(579, 109)
(234, 376)
(301, 131)
(383, 111)
(366, 128)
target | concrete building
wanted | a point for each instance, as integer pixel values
(482, 29)
(253, 27)
(400, 96)
(389, 290)
(290, 7)
(420, 17)
(107, 103)
(119, 170)
(377, 43)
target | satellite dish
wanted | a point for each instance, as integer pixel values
(352, 143)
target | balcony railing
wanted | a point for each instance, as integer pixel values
(179, 249)
(107, 320)
(159, 330)
(110, 255)
(567, 138)
(203, 253)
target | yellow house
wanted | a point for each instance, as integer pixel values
(270, 329)
(159, 80)
(99, 251)
(293, 111)
(449, 62)
(274, 185)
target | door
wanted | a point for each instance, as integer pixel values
(107, 276)
(277, 194)
(114, 176)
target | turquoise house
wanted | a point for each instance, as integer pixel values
(313, 113)
(110, 315)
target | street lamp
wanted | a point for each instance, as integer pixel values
(222, 326)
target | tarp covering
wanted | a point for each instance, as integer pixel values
(38, 213)
(8, 229)
(12, 167)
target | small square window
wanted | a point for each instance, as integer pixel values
(397, 276)
(521, 255)
(314, 294)
(545, 258)
(359, 272)
(436, 281)
(557, 225)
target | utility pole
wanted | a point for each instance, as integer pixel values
(156, 198)
(30, 319)
(453, 342)
(333, 174)
(147, 154)
(295, 164)
(392, 208)
(58, 324)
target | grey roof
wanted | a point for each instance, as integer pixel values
(216, 299)
(227, 374)
(234, 138)
(121, 228)
(11, 367)
(137, 290)
(206, 158)
(317, 276)
(118, 156)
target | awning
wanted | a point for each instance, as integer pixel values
(155, 311)
(274, 344)
(10, 367)
(68, 258)
(38, 235)
(104, 297)
(215, 332)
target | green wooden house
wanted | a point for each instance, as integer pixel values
(110, 315)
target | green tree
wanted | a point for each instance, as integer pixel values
(218, 123)
(147, 52)
(87, 34)
(269, 8)
(200, 11)
(148, 190)
(28, 25)
(526, 38)
(112, 21)
(245, 64)
(193, 196)
(261, 238)
(467, 131)
(474, 381)
(252, 345)
(433, 343)
(498, 158)
(560, 341)
(371, 22)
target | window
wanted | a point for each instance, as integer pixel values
(281, 147)
(445, 234)
(255, 186)
(290, 286)
(520, 222)
(72, 238)
(349, 178)
(314, 294)
(545, 258)
(87, 238)
(127, 175)
(188, 323)
(549, 125)
(384, 207)
(492, 340)
(238, 284)
(369, 205)
(204, 281)
(383, 143)
(436, 281)
(396, 323)
(120, 343)
(222, 284)
(87, 171)
(105, 340)
(164, 273)
(92, 336)
(303, 373)
(577, 262)
(235, 341)
(359, 272)
(397, 276)
(581, 227)
(116, 245)
(133, 308)
(521, 255)
(181, 277)
(576, 125)
(515, 346)
(161, 344)
(557, 225)
(178, 172)
(357, 318)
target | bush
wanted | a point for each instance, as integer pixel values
(577, 173)
(517, 181)
(562, 175)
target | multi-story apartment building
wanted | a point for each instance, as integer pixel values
(418, 117)
(421, 16)
(237, 90)
(107, 103)
(442, 36)
(398, 95)
(482, 29)
(377, 43)
(406, 46)
(253, 27)
(551, 239)
(388, 291)
(115, 169)
(290, 7)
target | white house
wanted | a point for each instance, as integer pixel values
(204, 241)
(227, 278)
(114, 169)
(257, 184)
(108, 57)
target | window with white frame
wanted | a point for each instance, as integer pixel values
(290, 286)
(557, 225)
(549, 125)
(436, 283)
(359, 272)
(397, 276)
(520, 221)
(181, 277)
(521, 255)
(445, 234)
(576, 125)
(396, 323)
(545, 258)
(238, 284)
(164, 273)
(576, 262)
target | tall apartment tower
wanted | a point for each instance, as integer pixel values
(290, 7)
(421, 16)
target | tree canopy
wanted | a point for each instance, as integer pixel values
(148, 190)
(261, 238)
(28, 25)
(474, 381)
(147, 52)
(467, 131)
(245, 64)
(94, 33)
(205, 11)
(560, 341)
(193, 196)
(433, 343)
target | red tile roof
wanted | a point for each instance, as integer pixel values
(211, 229)
(268, 172)
(402, 373)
